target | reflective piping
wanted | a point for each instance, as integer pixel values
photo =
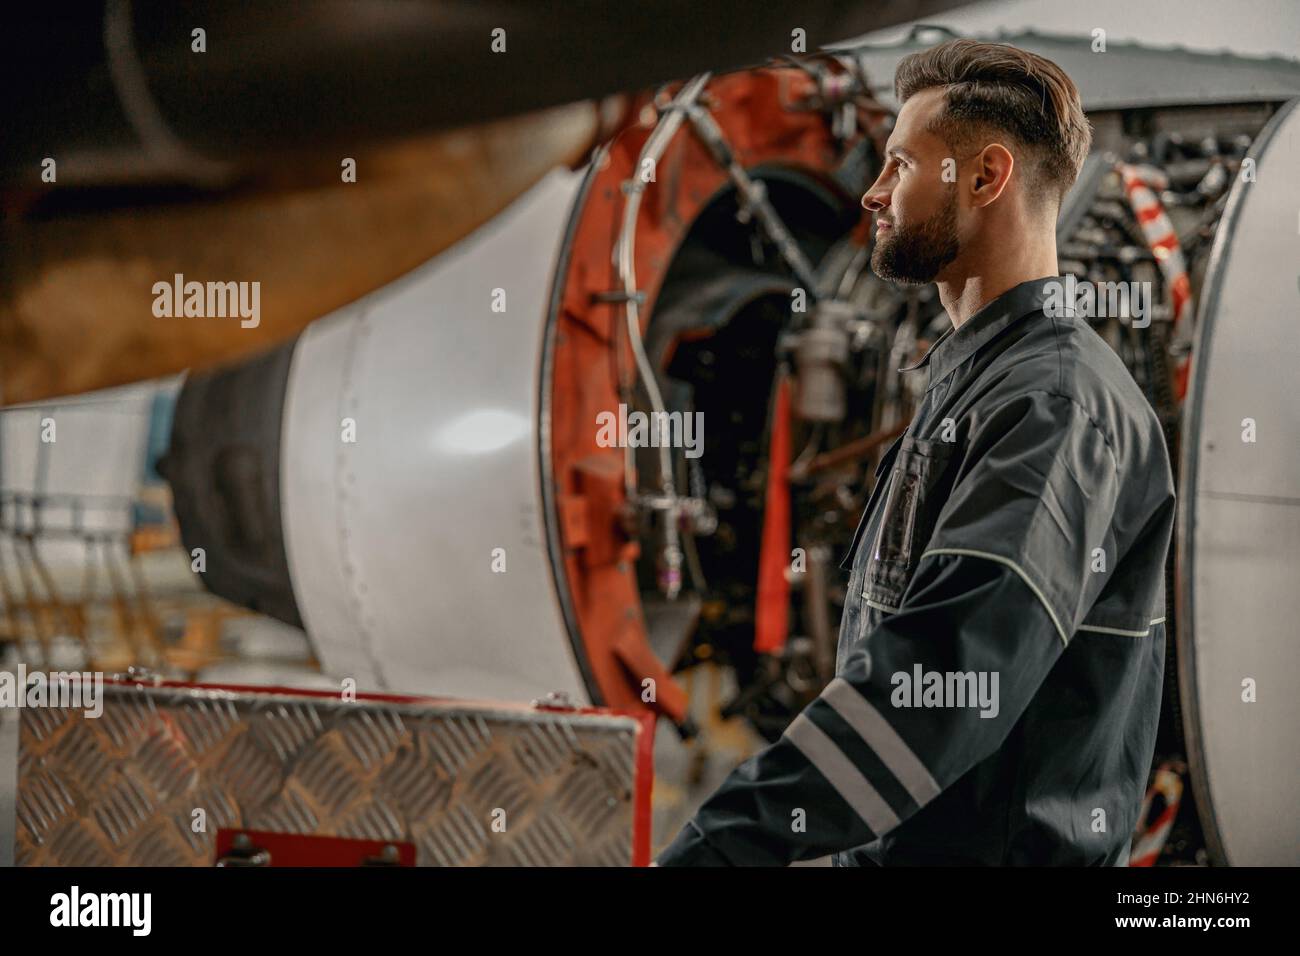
(1122, 633)
(1014, 567)
(880, 607)
(877, 733)
(847, 780)
(1113, 630)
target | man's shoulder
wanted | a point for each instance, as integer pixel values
(1065, 362)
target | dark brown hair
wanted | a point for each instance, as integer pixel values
(993, 86)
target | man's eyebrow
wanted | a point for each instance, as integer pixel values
(899, 151)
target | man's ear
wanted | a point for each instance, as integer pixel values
(992, 168)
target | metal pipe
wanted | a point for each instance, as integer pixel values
(624, 257)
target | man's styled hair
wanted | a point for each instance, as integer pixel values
(993, 87)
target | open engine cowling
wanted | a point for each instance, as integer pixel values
(445, 520)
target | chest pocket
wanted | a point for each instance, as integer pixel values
(918, 486)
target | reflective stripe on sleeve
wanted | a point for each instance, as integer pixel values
(840, 772)
(877, 733)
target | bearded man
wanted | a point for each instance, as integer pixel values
(1013, 549)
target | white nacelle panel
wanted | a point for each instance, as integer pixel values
(391, 538)
(1240, 533)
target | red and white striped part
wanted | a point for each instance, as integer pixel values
(1152, 834)
(1141, 186)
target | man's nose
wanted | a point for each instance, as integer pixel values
(876, 198)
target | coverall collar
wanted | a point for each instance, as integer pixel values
(955, 346)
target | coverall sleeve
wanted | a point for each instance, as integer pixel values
(1008, 574)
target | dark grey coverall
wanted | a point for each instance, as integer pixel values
(1022, 531)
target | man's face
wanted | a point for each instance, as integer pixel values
(916, 211)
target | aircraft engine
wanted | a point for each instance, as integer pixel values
(454, 484)
(418, 478)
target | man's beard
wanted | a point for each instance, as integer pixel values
(914, 255)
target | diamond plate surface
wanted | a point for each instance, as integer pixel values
(468, 785)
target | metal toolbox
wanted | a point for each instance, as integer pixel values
(166, 767)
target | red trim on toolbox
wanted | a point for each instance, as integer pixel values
(307, 849)
(642, 798)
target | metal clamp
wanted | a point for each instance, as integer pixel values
(244, 853)
(556, 700)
